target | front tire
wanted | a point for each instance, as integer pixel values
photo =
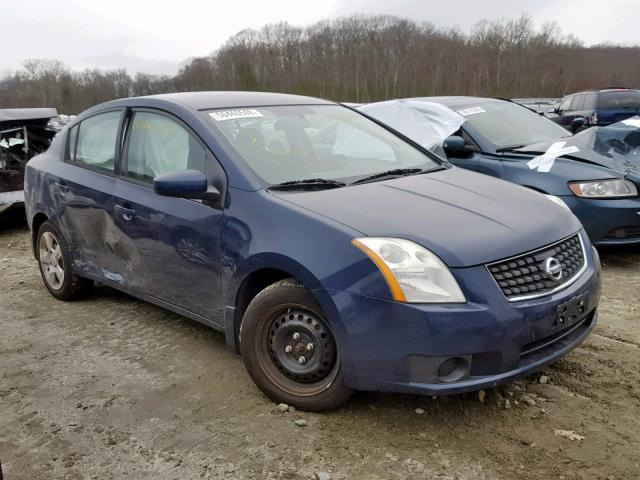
(289, 349)
(54, 261)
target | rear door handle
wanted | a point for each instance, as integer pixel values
(62, 187)
(126, 213)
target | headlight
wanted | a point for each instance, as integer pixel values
(604, 189)
(413, 273)
(557, 201)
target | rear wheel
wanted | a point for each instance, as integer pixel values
(289, 349)
(54, 261)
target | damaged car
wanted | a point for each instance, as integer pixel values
(334, 254)
(24, 133)
(595, 173)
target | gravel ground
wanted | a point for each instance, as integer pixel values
(111, 387)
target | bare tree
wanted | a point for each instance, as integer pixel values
(357, 58)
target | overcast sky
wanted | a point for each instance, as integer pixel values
(155, 36)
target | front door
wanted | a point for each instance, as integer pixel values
(177, 240)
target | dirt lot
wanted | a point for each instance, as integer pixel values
(111, 387)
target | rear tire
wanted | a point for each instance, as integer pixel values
(289, 349)
(54, 261)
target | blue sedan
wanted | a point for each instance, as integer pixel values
(596, 172)
(334, 254)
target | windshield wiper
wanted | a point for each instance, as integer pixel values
(511, 149)
(397, 172)
(309, 183)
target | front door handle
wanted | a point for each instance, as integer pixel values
(126, 213)
(62, 187)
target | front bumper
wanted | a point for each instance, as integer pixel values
(602, 218)
(397, 347)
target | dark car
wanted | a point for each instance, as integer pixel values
(596, 173)
(596, 107)
(332, 253)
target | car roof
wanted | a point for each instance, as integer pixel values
(607, 90)
(221, 99)
(207, 100)
(458, 101)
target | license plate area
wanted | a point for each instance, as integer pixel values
(571, 312)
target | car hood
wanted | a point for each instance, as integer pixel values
(464, 217)
(616, 147)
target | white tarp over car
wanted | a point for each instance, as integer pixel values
(426, 123)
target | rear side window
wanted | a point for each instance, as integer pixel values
(578, 102)
(158, 144)
(73, 141)
(589, 101)
(620, 100)
(93, 141)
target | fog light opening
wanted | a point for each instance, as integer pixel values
(453, 369)
(620, 233)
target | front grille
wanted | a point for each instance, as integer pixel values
(526, 276)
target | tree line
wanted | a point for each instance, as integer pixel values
(356, 59)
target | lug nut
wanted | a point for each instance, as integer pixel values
(296, 336)
(288, 349)
(309, 346)
(301, 360)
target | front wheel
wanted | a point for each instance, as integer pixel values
(289, 349)
(54, 261)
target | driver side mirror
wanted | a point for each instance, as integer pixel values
(191, 184)
(553, 110)
(455, 144)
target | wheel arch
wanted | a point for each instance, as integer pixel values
(262, 271)
(36, 222)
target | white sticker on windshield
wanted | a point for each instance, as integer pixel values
(235, 114)
(471, 111)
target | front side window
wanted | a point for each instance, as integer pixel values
(158, 144)
(301, 142)
(578, 103)
(509, 125)
(94, 142)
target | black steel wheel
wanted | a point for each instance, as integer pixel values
(289, 348)
(300, 345)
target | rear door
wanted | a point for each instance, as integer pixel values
(176, 240)
(85, 186)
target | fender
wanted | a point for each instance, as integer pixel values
(293, 268)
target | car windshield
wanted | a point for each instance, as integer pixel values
(508, 125)
(304, 142)
(622, 99)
